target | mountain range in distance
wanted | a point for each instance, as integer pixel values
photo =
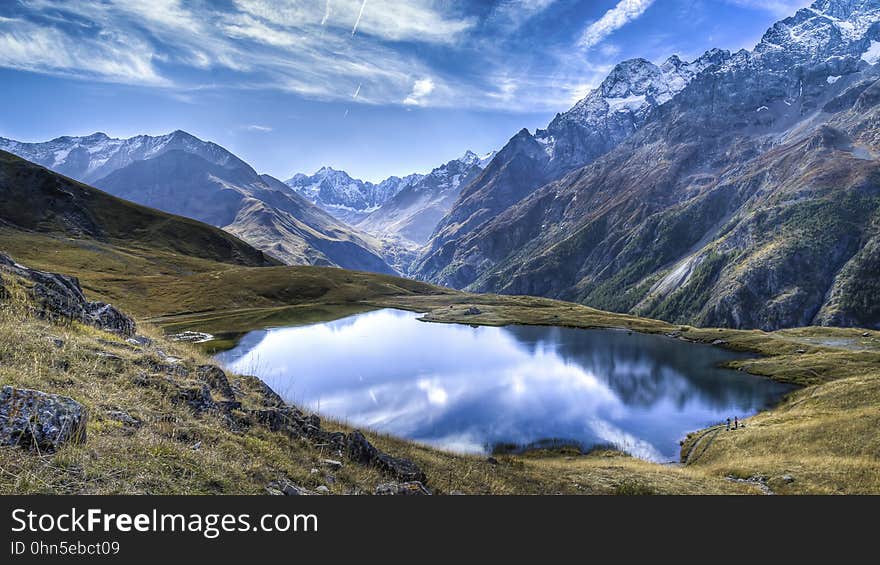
(181, 174)
(738, 189)
(353, 200)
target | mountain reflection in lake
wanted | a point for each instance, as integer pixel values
(471, 389)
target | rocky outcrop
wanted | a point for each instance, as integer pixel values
(60, 297)
(267, 397)
(34, 419)
(360, 450)
(201, 395)
(216, 379)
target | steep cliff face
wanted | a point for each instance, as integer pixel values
(749, 199)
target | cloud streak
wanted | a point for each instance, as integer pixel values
(326, 13)
(614, 19)
(358, 20)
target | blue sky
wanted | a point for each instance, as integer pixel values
(375, 87)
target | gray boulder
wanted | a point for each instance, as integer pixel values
(30, 418)
(108, 318)
(195, 395)
(215, 378)
(360, 450)
(287, 419)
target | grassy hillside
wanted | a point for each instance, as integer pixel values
(823, 436)
(36, 200)
(149, 262)
(163, 446)
(822, 439)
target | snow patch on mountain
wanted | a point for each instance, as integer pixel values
(351, 199)
(93, 157)
(872, 55)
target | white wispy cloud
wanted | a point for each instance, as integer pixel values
(420, 91)
(307, 48)
(623, 13)
(31, 47)
(360, 15)
(326, 13)
(272, 44)
(258, 128)
(391, 20)
(514, 13)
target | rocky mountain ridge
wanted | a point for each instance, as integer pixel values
(184, 175)
(351, 200)
(748, 199)
(603, 119)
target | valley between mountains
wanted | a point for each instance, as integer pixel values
(159, 420)
(729, 201)
(736, 190)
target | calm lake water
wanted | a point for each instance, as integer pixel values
(472, 389)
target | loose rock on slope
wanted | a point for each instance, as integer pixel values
(30, 418)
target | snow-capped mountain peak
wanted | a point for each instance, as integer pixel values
(617, 107)
(351, 199)
(635, 86)
(828, 28)
(92, 157)
(470, 158)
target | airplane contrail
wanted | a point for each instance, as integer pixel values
(356, 92)
(358, 20)
(326, 13)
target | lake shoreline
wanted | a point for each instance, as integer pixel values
(764, 448)
(470, 389)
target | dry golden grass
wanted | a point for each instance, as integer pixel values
(825, 437)
(159, 458)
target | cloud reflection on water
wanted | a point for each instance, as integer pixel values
(468, 389)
